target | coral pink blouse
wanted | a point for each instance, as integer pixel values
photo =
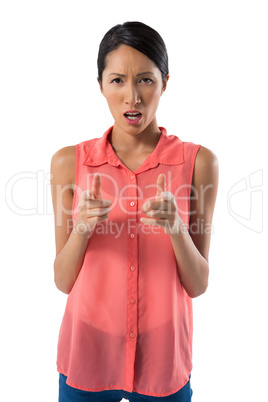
(128, 320)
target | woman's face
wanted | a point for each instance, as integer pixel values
(132, 82)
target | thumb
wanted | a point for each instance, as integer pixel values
(96, 187)
(161, 185)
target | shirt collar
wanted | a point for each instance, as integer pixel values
(102, 152)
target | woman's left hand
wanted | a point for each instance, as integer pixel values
(163, 210)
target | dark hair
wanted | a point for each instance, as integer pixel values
(139, 36)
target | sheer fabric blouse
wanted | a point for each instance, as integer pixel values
(128, 320)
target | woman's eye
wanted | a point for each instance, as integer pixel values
(116, 80)
(147, 80)
(119, 81)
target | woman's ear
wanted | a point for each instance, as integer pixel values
(165, 83)
(100, 84)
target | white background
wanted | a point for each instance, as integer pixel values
(216, 96)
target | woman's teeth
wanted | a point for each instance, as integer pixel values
(132, 116)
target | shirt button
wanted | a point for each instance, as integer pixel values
(132, 203)
(132, 268)
(133, 301)
(132, 235)
(132, 177)
(132, 335)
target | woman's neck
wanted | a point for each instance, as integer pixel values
(125, 142)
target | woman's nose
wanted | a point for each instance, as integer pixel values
(132, 95)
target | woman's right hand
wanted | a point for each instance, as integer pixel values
(92, 208)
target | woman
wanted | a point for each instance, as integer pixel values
(133, 211)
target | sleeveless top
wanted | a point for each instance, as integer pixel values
(128, 320)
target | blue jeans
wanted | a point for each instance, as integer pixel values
(70, 394)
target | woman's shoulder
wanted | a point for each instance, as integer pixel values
(205, 157)
(64, 155)
(206, 165)
(63, 162)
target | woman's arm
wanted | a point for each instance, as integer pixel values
(192, 248)
(70, 246)
(71, 241)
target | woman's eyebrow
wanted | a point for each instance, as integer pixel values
(123, 75)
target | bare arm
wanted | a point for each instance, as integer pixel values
(71, 241)
(192, 248)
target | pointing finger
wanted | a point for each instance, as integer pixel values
(161, 185)
(96, 187)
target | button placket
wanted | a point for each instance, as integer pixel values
(132, 280)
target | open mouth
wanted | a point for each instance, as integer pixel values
(133, 118)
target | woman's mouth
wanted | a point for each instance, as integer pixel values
(133, 118)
